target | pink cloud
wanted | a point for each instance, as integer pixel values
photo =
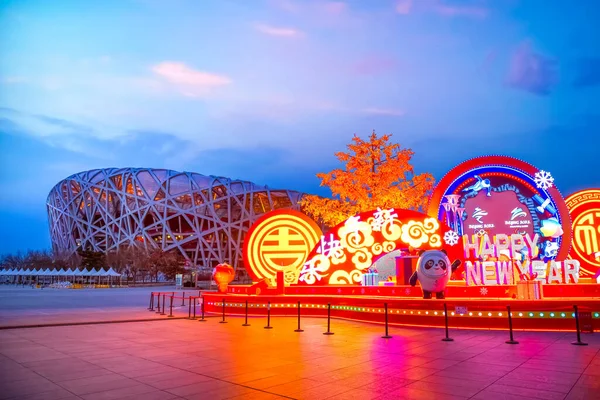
(531, 71)
(317, 6)
(179, 73)
(461, 11)
(188, 81)
(384, 111)
(278, 31)
(374, 65)
(333, 7)
(404, 6)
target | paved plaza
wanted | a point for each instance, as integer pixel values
(24, 306)
(188, 359)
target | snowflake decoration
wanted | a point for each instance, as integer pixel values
(451, 238)
(407, 291)
(543, 180)
(483, 291)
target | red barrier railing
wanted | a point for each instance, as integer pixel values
(470, 314)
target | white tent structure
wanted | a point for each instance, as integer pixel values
(94, 277)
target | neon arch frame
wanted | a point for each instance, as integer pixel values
(521, 171)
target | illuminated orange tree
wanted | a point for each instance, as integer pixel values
(377, 173)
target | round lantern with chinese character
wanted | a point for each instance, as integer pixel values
(222, 275)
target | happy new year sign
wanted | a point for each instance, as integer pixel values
(519, 250)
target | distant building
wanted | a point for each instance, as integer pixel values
(205, 218)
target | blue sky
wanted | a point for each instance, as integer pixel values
(268, 90)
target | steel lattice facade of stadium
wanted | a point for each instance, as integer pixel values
(205, 218)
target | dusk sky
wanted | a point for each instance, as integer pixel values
(268, 90)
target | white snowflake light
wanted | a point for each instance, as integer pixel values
(543, 180)
(451, 238)
(483, 291)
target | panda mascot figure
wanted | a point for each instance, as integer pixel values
(433, 272)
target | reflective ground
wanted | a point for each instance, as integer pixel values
(193, 360)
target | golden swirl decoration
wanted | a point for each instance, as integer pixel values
(362, 259)
(435, 241)
(414, 234)
(389, 246)
(339, 260)
(342, 277)
(377, 249)
(356, 235)
(349, 249)
(431, 225)
(391, 230)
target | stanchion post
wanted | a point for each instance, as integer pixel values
(510, 328)
(151, 308)
(246, 320)
(158, 304)
(223, 320)
(201, 310)
(183, 299)
(447, 338)
(578, 342)
(163, 305)
(299, 330)
(193, 299)
(328, 320)
(190, 309)
(268, 316)
(387, 336)
(171, 307)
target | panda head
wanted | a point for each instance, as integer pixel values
(434, 263)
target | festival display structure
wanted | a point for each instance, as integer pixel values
(346, 251)
(584, 207)
(513, 221)
(502, 219)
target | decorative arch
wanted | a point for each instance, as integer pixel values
(480, 181)
(345, 252)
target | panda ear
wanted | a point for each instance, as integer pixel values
(444, 251)
(421, 252)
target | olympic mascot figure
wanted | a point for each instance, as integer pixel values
(433, 272)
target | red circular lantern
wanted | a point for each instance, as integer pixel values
(223, 274)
